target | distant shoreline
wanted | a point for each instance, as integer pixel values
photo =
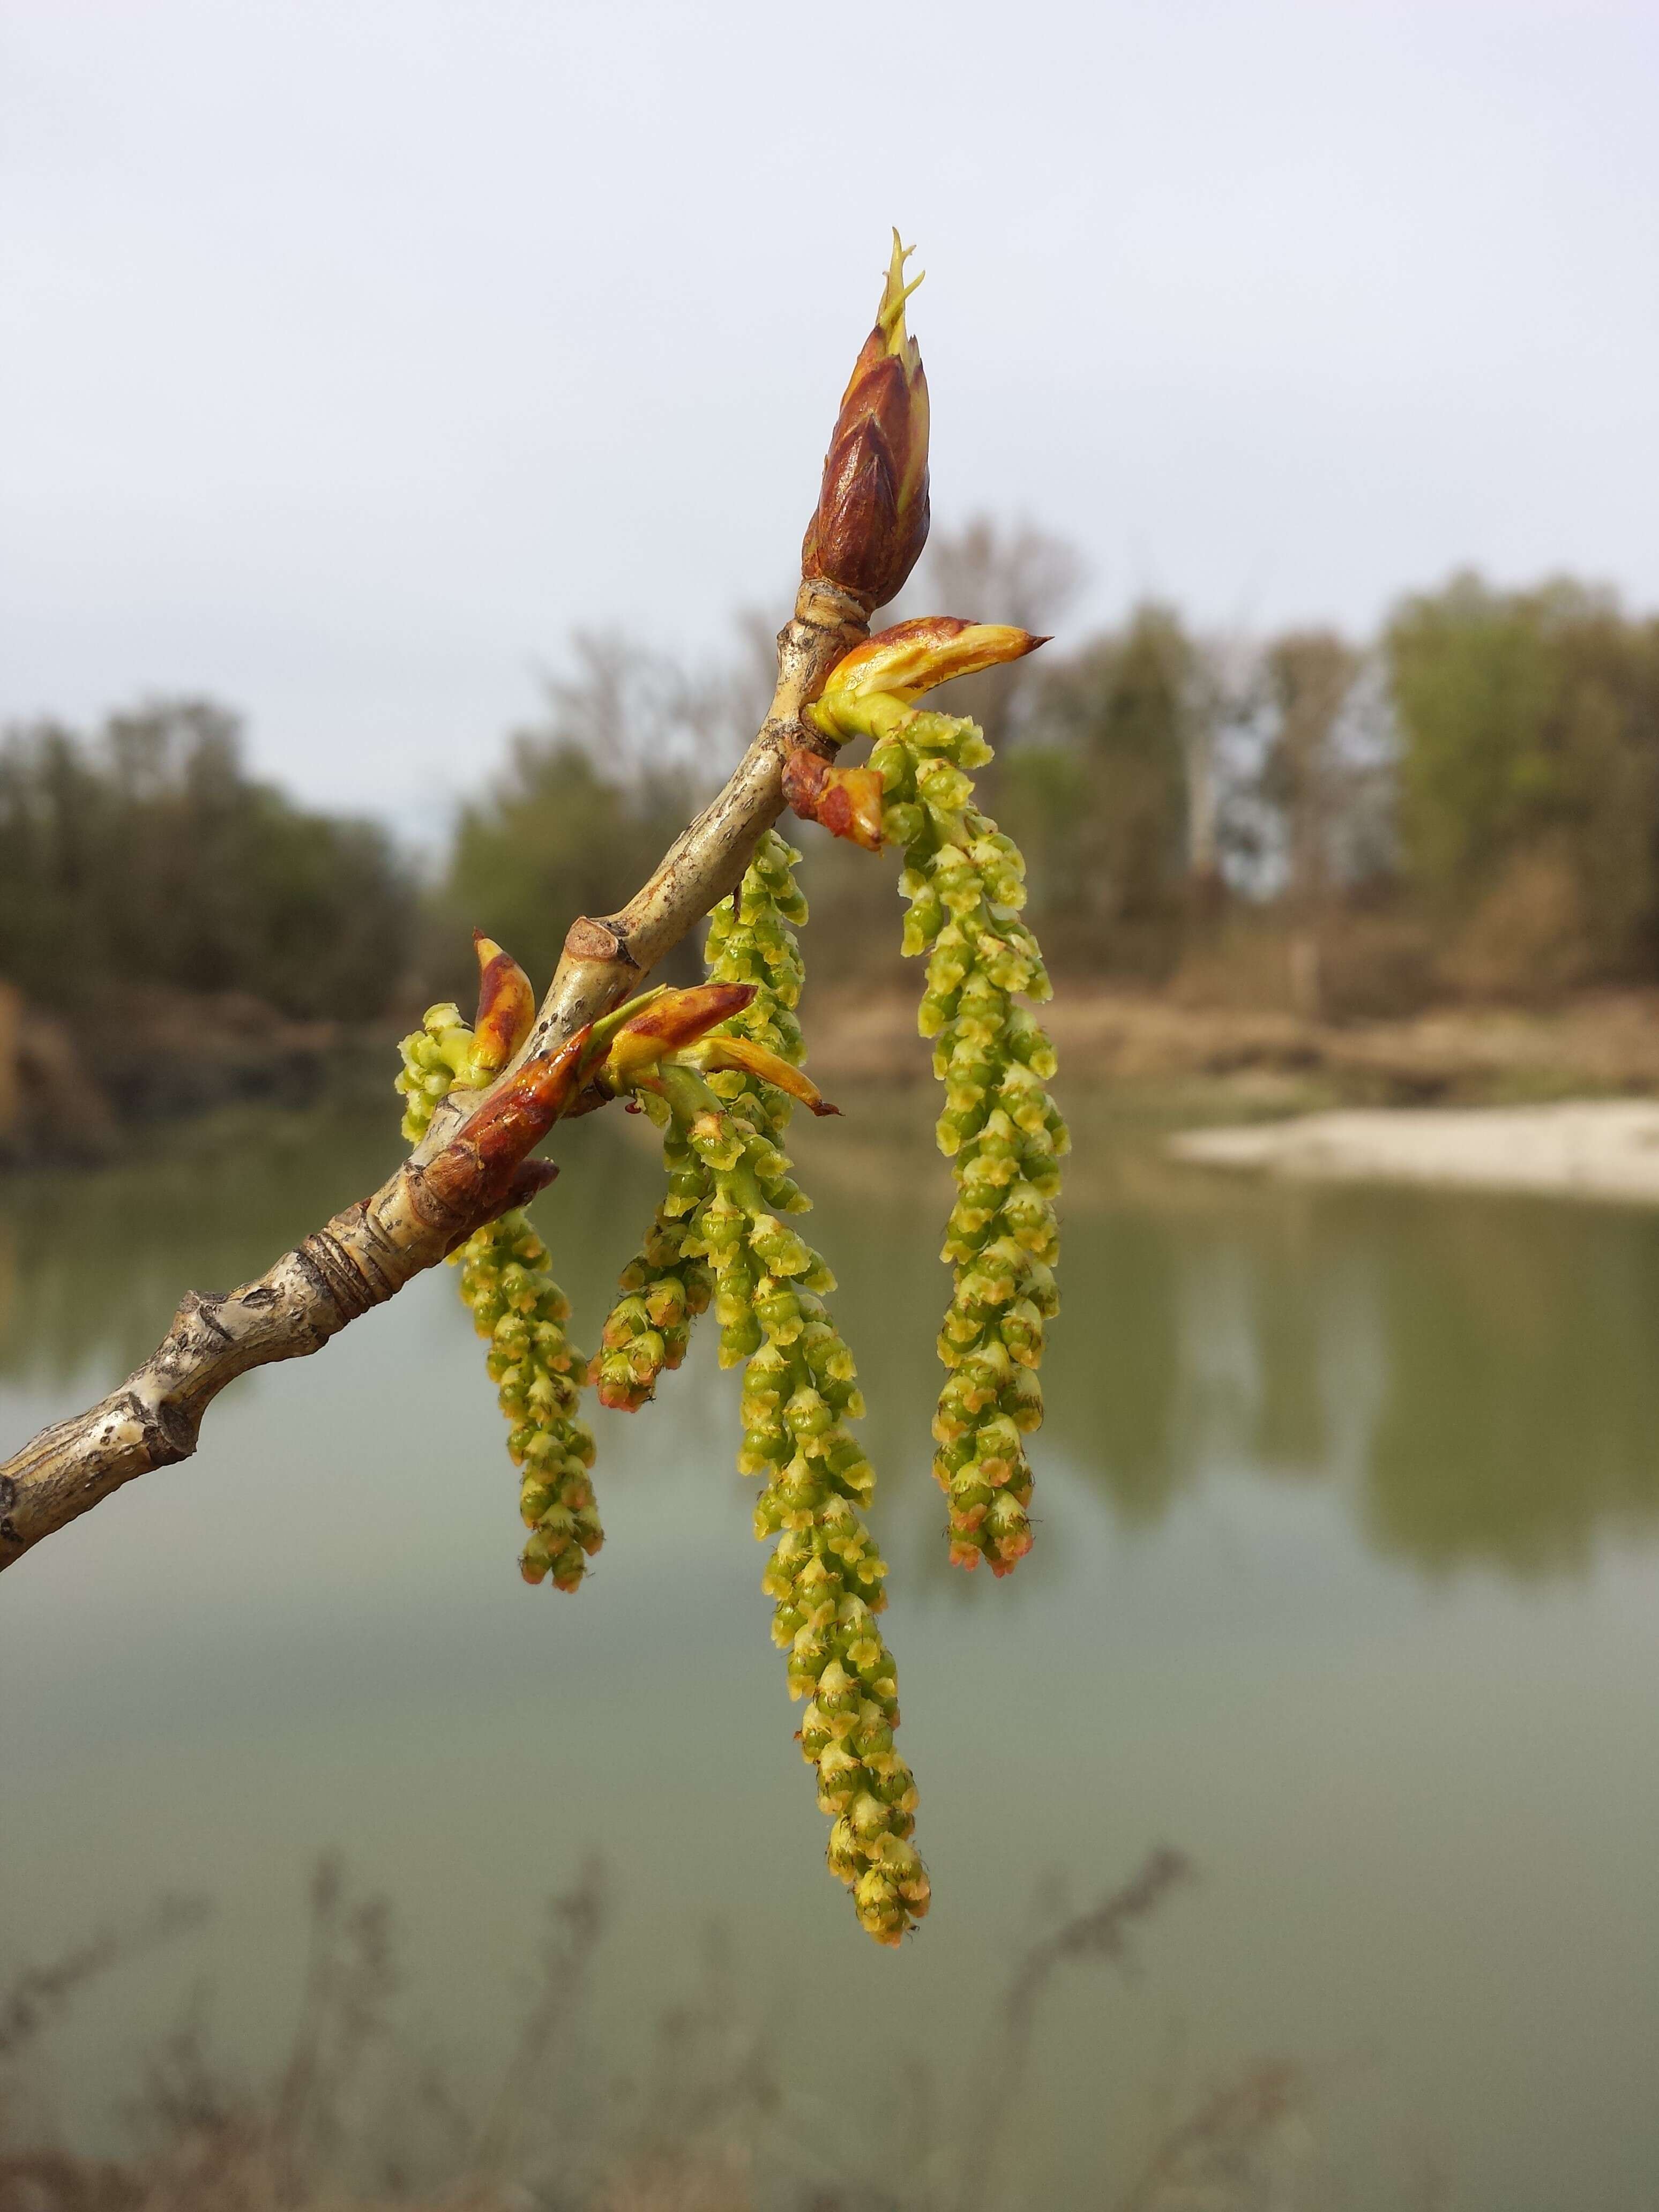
(1601, 1148)
(1184, 1059)
(88, 1090)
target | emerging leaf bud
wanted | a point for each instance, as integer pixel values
(506, 1007)
(669, 1022)
(871, 522)
(742, 1055)
(868, 688)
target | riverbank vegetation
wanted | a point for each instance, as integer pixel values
(1304, 829)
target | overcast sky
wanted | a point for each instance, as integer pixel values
(352, 353)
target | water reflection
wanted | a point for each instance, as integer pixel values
(92, 1264)
(1475, 1374)
(1282, 1427)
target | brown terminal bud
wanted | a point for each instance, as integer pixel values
(871, 522)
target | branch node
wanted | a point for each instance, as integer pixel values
(588, 939)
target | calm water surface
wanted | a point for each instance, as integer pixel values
(1347, 1585)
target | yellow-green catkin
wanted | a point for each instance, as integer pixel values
(436, 1057)
(827, 1579)
(518, 1307)
(538, 1374)
(965, 882)
(826, 1576)
(751, 939)
(729, 1188)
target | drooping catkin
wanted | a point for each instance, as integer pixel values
(721, 1230)
(518, 1307)
(751, 939)
(826, 1575)
(965, 882)
(521, 1310)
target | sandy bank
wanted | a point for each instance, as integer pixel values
(1602, 1149)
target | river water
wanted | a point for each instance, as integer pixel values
(1346, 1587)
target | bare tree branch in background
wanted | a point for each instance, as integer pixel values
(1309, 675)
(1224, 687)
(640, 713)
(34, 1996)
(349, 1980)
(575, 1921)
(724, 702)
(1101, 1932)
(1015, 572)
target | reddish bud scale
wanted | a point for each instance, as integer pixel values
(871, 521)
(678, 1018)
(506, 1006)
(673, 1021)
(844, 801)
(478, 1170)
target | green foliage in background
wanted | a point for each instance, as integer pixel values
(146, 854)
(1096, 792)
(1529, 771)
(1478, 789)
(590, 799)
(557, 837)
(1474, 688)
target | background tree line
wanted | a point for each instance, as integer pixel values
(147, 854)
(1467, 804)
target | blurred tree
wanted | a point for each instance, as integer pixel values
(1097, 793)
(1310, 675)
(1224, 709)
(992, 571)
(1529, 778)
(588, 800)
(148, 854)
(1473, 686)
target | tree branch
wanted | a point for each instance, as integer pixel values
(472, 1165)
(604, 958)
